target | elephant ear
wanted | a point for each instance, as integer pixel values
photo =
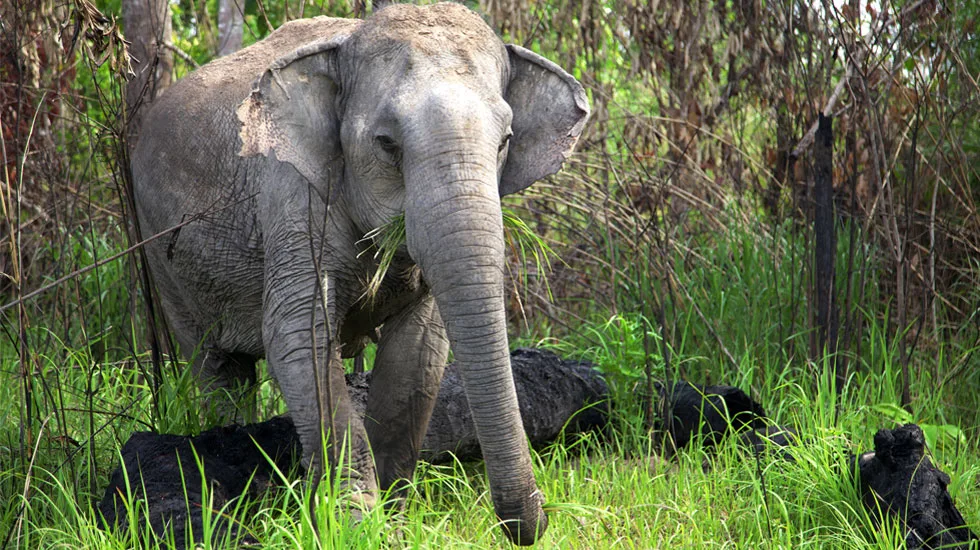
(292, 111)
(550, 110)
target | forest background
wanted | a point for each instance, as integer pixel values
(780, 196)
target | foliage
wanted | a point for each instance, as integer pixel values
(601, 492)
(618, 349)
(102, 295)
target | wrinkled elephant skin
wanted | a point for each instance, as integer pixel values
(280, 158)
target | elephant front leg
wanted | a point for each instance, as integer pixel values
(304, 357)
(407, 371)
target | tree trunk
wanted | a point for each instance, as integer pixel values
(825, 243)
(231, 26)
(148, 30)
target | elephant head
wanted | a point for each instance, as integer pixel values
(425, 112)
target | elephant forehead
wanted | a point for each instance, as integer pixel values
(441, 36)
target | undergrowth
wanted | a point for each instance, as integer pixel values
(602, 490)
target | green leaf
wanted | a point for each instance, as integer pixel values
(893, 412)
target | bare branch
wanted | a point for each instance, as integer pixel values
(853, 61)
(181, 54)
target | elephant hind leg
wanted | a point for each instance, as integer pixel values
(228, 379)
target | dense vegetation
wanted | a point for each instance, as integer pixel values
(684, 237)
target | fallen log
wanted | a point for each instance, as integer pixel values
(688, 411)
(898, 479)
(553, 393)
(555, 396)
(166, 486)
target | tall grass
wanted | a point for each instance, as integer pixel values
(602, 492)
(609, 491)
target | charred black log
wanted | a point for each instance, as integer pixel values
(553, 394)
(897, 478)
(163, 472)
(689, 410)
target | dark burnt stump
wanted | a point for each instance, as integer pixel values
(163, 473)
(898, 479)
(554, 394)
(687, 411)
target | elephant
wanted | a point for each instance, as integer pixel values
(269, 166)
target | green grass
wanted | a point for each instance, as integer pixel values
(613, 493)
(64, 423)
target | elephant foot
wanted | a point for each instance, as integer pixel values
(353, 502)
(356, 499)
(361, 500)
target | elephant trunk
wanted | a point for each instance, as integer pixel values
(455, 234)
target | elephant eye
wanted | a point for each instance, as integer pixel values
(505, 142)
(387, 150)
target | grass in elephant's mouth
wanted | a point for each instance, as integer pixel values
(385, 241)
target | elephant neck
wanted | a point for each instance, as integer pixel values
(401, 287)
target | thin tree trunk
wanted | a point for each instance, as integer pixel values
(825, 242)
(148, 29)
(231, 26)
(849, 333)
(147, 26)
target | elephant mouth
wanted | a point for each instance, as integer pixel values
(388, 245)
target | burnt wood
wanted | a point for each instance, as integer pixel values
(897, 478)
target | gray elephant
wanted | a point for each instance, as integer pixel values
(280, 158)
